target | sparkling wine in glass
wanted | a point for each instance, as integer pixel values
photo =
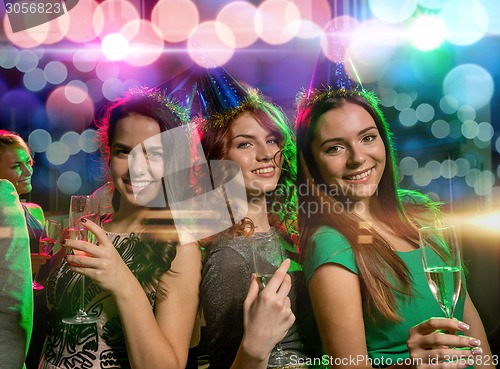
(82, 207)
(48, 239)
(267, 257)
(442, 265)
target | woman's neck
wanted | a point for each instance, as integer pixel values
(127, 219)
(257, 212)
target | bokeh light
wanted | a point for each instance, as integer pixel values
(276, 21)
(35, 80)
(145, 40)
(408, 117)
(112, 88)
(471, 177)
(9, 57)
(69, 182)
(314, 15)
(28, 60)
(408, 165)
(115, 46)
(175, 19)
(463, 166)
(497, 145)
(470, 84)
(403, 101)
(484, 183)
(449, 169)
(486, 132)
(39, 140)
(449, 104)
(425, 112)
(57, 153)
(85, 60)
(76, 92)
(55, 72)
(106, 69)
(440, 128)
(392, 11)
(67, 115)
(372, 47)
(422, 177)
(434, 168)
(466, 21)
(493, 11)
(211, 44)
(470, 129)
(466, 112)
(79, 21)
(88, 141)
(111, 15)
(239, 16)
(427, 32)
(72, 141)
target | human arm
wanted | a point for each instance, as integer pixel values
(154, 340)
(336, 297)
(16, 297)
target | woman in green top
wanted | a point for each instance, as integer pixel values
(359, 239)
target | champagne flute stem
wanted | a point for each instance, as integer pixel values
(82, 297)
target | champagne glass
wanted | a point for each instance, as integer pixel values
(82, 207)
(267, 257)
(48, 239)
(442, 265)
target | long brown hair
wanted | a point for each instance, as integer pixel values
(382, 272)
(216, 141)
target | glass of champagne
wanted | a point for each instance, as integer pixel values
(82, 207)
(267, 257)
(48, 239)
(442, 265)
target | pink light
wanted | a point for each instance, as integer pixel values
(176, 19)
(145, 40)
(115, 46)
(78, 22)
(111, 15)
(239, 17)
(211, 44)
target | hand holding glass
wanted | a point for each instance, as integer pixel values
(48, 239)
(82, 207)
(442, 265)
(267, 257)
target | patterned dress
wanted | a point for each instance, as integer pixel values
(99, 345)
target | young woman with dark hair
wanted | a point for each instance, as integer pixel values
(359, 243)
(144, 288)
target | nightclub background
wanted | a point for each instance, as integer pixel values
(434, 63)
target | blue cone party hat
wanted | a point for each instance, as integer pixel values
(221, 97)
(330, 68)
(181, 89)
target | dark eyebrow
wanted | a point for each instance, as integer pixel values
(340, 139)
(119, 146)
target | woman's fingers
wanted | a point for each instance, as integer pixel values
(278, 277)
(443, 324)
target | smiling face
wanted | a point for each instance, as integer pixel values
(137, 173)
(349, 152)
(255, 148)
(16, 166)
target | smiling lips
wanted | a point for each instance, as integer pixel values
(267, 170)
(359, 176)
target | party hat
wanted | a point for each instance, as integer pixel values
(329, 75)
(221, 97)
(181, 89)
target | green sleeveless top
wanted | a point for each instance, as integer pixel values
(385, 341)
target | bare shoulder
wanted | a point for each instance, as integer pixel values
(35, 210)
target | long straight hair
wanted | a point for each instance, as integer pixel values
(382, 272)
(281, 203)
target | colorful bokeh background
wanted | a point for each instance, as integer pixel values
(434, 63)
